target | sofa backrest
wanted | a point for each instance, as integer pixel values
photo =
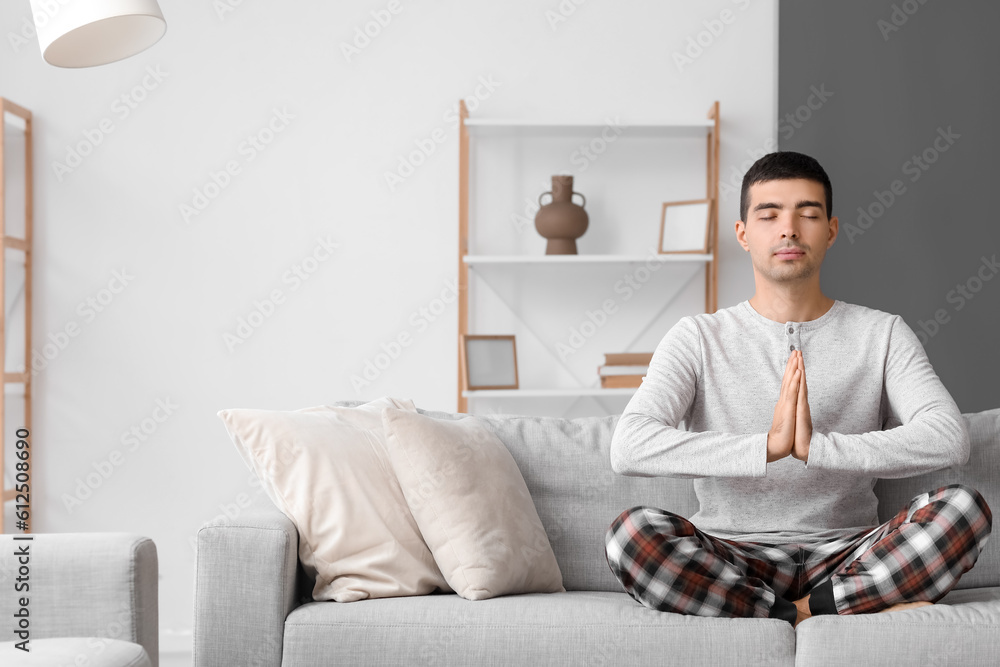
(981, 472)
(566, 465)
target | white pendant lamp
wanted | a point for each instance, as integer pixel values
(85, 33)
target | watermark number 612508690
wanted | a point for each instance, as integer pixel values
(22, 479)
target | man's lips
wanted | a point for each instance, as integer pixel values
(790, 253)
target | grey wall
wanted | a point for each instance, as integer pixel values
(871, 89)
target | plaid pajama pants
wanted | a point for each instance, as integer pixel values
(664, 562)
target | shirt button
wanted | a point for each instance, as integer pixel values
(791, 347)
(791, 330)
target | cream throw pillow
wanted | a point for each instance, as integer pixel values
(472, 506)
(327, 469)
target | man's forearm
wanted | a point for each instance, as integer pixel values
(930, 443)
(643, 446)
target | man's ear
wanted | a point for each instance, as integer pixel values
(741, 234)
(834, 229)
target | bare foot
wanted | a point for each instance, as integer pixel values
(803, 610)
(905, 605)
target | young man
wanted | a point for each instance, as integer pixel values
(784, 460)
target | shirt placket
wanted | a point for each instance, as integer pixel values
(792, 341)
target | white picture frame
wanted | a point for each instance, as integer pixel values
(489, 362)
(684, 227)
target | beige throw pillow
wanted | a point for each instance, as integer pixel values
(327, 469)
(472, 506)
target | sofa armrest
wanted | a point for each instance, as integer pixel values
(245, 586)
(84, 585)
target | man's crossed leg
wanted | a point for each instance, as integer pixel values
(664, 562)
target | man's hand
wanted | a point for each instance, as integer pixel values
(791, 428)
(781, 437)
(803, 420)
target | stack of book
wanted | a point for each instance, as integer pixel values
(624, 369)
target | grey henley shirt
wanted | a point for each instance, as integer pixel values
(707, 402)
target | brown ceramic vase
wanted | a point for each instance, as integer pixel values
(561, 221)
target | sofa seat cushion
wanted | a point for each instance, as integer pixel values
(963, 628)
(89, 651)
(572, 628)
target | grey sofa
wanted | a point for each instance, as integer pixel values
(92, 600)
(252, 605)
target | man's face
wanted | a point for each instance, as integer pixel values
(787, 215)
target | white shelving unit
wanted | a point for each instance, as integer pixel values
(548, 393)
(509, 275)
(499, 127)
(571, 260)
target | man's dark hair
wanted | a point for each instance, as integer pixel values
(784, 165)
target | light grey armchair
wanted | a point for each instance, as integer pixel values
(92, 599)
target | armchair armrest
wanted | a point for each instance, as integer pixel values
(245, 586)
(85, 585)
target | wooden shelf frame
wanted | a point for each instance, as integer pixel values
(501, 127)
(24, 245)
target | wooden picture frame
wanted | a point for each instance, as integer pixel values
(489, 362)
(687, 230)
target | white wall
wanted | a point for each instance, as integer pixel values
(223, 76)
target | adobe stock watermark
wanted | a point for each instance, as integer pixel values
(247, 151)
(915, 167)
(88, 309)
(963, 645)
(406, 165)
(133, 438)
(793, 121)
(594, 320)
(428, 486)
(122, 107)
(562, 12)
(225, 7)
(703, 40)
(788, 125)
(98, 642)
(958, 296)
(900, 14)
(364, 34)
(24, 36)
(230, 511)
(581, 158)
(42, 13)
(438, 648)
(264, 309)
(113, 630)
(420, 320)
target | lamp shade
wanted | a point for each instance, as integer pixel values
(85, 33)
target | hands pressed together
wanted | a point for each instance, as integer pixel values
(791, 428)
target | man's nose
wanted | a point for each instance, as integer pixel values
(789, 228)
